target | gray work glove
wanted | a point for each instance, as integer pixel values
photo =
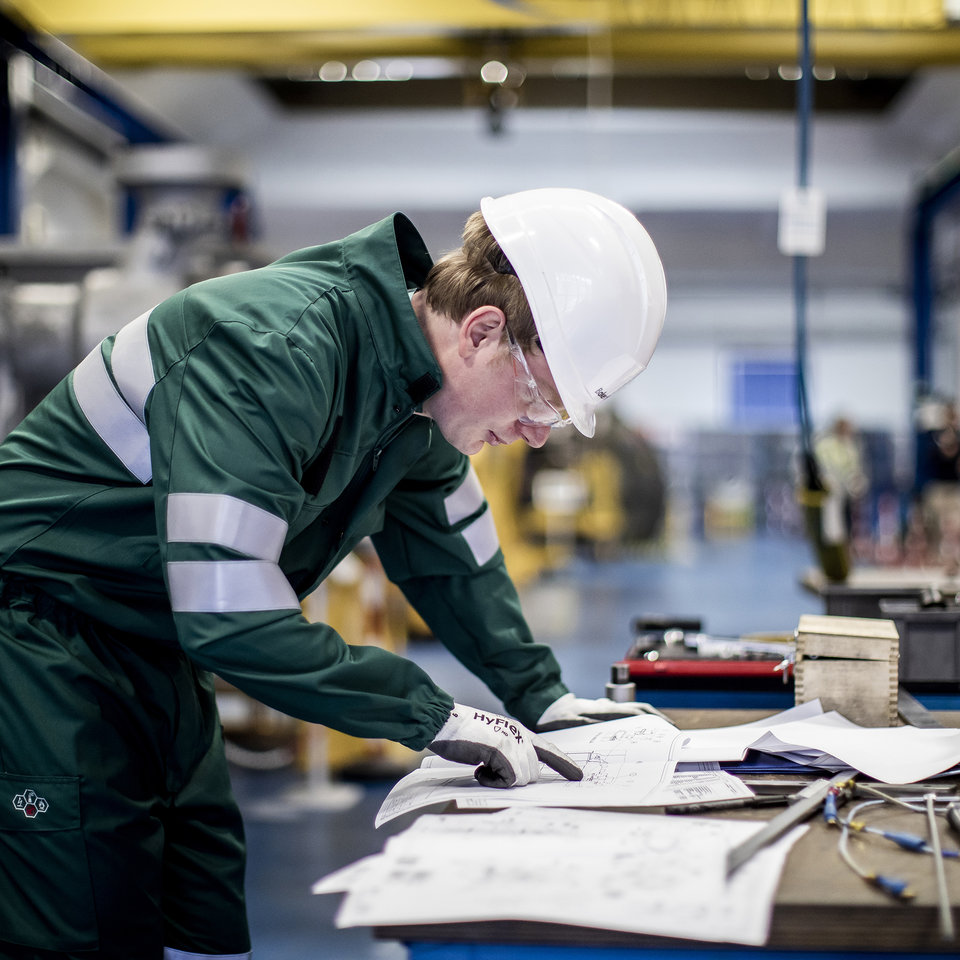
(507, 753)
(571, 711)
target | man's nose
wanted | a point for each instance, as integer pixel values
(535, 434)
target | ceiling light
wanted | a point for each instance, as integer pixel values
(493, 71)
(789, 71)
(398, 70)
(366, 70)
(333, 71)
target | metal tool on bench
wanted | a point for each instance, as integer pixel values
(943, 897)
(675, 638)
(914, 712)
(675, 649)
(804, 806)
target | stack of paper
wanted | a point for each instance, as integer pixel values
(611, 779)
(890, 754)
(646, 874)
(645, 762)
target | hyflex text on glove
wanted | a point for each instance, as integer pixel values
(505, 752)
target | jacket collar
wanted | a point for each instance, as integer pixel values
(385, 261)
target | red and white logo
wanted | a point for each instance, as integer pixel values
(30, 804)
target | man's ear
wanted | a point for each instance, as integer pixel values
(481, 328)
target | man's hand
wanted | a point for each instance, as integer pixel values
(507, 753)
(571, 711)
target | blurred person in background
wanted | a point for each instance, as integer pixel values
(840, 458)
(941, 491)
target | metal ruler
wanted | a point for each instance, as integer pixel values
(806, 803)
(914, 712)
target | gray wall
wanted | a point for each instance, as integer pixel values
(707, 185)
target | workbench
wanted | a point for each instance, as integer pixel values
(822, 908)
(860, 594)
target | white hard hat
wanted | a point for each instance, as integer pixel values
(595, 286)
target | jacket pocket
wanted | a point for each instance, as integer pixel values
(46, 897)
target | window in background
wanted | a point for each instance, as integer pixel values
(764, 393)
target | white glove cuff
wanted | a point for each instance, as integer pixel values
(444, 732)
(561, 709)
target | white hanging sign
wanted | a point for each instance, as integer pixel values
(803, 222)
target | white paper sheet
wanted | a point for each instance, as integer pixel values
(888, 754)
(646, 874)
(732, 743)
(631, 739)
(632, 763)
(610, 779)
(628, 763)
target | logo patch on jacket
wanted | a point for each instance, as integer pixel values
(30, 804)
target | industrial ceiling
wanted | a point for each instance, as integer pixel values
(554, 52)
(679, 34)
(706, 183)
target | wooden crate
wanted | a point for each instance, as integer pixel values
(850, 664)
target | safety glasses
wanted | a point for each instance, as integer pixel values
(532, 406)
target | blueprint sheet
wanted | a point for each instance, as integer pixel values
(619, 871)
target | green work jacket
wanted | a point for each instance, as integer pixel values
(203, 470)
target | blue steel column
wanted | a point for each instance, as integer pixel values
(922, 272)
(9, 217)
(934, 198)
(804, 111)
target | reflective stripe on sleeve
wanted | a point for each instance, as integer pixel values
(466, 499)
(170, 954)
(110, 416)
(226, 521)
(481, 537)
(481, 534)
(229, 586)
(132, 364)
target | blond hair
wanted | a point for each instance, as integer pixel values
(478, 274)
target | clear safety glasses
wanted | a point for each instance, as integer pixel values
(532, 406)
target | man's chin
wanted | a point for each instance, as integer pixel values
(465, 446)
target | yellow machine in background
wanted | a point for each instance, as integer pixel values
(596, 496)
(501, 473)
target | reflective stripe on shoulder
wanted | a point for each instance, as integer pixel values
(118, 414)
(110, 416)
(226, 521)
(132, 364)
(229, 586)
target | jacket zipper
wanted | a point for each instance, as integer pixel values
(386, 437)
(367, 469)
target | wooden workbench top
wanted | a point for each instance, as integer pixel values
(820, 904)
